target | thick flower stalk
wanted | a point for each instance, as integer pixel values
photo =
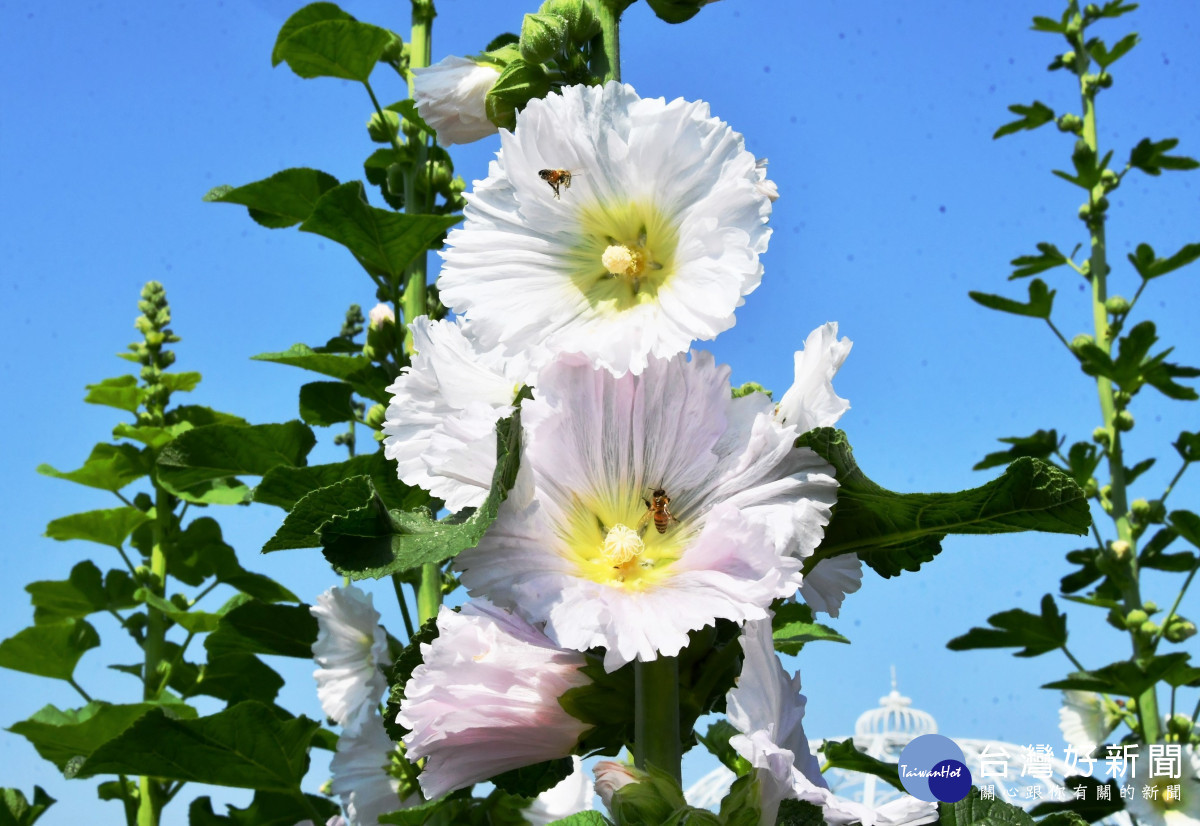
(451, 96)
(350, 649)
(441, 423)
(648, 506)
(485, 699)
(610, 225)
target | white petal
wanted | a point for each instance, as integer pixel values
(350, 649)
(573, 794)
(827, 584)
(451, 95)
(360, 777)
(811, 401)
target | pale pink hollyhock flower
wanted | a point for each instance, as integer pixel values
(575, 545)
(350, 649)
(451, 96)
(485, 699)
(360, 774)
(611, 776)
(381, 314)
(572, 794)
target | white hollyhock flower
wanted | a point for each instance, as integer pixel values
(451, 96)
(574, 793)
(648, 506)
(350, 648)
(441, 422)
(1086, 720)
(1162, 805)
(768, 710)
(485, 699)
(648, 243)
(360, 776)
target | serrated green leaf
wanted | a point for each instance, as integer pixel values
(282, 200)
(530, 781)
(262, 628)
(843, 755)
(197, 622)
(1088, 572)
(266, 809)
(62, 737)
(284, 487)
(306, 16)
(384, 242)
(1127, 678)
(49, 650)
(1033, 634)
(111, 526)
(892, 532)
(1046, 24)
(15, 810)
(1151, 157)
(200, 552)
(108, 467)
(1049, 258)
(323, 403)
(341, 48)
(1040, 304)
(246, 745)
(973, 811)
(1040, 445)
(1031, 117)
(367, 379)
(121, 392)
(793, 626)
(205, 457)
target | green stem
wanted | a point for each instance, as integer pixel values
(127, 802)
(1071, 657)
(1061, 338)
(149, 791)
(1170, 487)
(398, 585)
(1175, 606)
(79, 688)
(606, 46)
(656, 715)
(429, 594)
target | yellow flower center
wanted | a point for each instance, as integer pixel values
(619, 259)
(597, 537)
(622, 544)
(623, 254)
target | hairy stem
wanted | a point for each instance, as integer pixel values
(656, 715)
(606, 46)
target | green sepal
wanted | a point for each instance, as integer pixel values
(84, 592)
(340, 47)
(49, 650)
(108, 467)
(266, 809)
(793, 626)
(247, 745)
(109, 527)
(282, 200)
(843, 755)
(15, 810)
(1039, 445)
(1031, 117)
(1050, 257)
(1034, 634)
(1039, 305)
(675, 11)
(1088, 809)
(972, 810)
(578, 15)
(893, 532)
(121, 392)
(1149, 265)
(652, 801)
(384, 242)
(1151, 157)
(261, 628)
(519, 83)
(741, 805)
(367, 379)
(750, 387)
(1127, 678)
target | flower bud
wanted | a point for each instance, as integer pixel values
(1091, 487)
(1135, 618)
(382, 130)
(1080, 341)
(580, 20)
(376, 416)
(1122, 398)
(1068, 58)
(542, 37)
(1141, 509)
(1148, 628)
(1150, 606)
(611, 775)
(1070, 123)
(1105, 80)
(1124, 421)
(451, 96)
(381, 314)
(1085, 212)
(1100, 204)
(1101, 436)
(1109, 180)
(1179, 629)
(1180, 725)
(1121, 551)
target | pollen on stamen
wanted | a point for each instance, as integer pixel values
(622, 544)
(619, 259)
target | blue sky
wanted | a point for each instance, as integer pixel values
(116, 118)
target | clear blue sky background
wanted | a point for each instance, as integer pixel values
(117, 117)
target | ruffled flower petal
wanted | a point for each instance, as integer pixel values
(1169, 801)
(811, 401)
(451, 96)
(574, 793)
(1084, 721)
(350, 649)
(360, 776)
(827, 584)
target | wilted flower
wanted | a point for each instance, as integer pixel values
(647, 243)
(360, 776)
(485, 699)
(572, 794)
(350, 648)
(451, 95)
(649, 506)
(441, 422)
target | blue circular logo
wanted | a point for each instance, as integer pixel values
(932, 768)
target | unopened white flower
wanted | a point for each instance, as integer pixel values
(381, 314)
(612, 775)
(648, 506)
(765, 185)
(768, 710)
(441, 422)
(574, 793)
(360, 775)
(1086, 720)
(350, 649)
(451, 96)
(1170, 801)
(648, 244)
(485, 699)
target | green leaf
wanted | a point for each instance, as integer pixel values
(341, 48)
(530, 781)
(15, 810)
(49, 650)
(1126, 678)
(284, 486)
(197, 622)
(401, 671)
(267, 809)
(1151, 157)
(261, 628)
(122, 393)
(892, 532)
(246, 745)
(1088, 573)
(1088, 808)
(65, 737)
(302, 526)
(1033, 634)
(1082, 460)
(1153, 553)
(716, 740)
(843, 755)
(1188, 446)
(407, 109)
(323, 403)
(282, 200)
(793, 626)
(109, 467)
(1041, 301)
(1116, 8)
(367, 379)
(203, 457)
(307, 16)
(675, 11)
(110, 527)
(1049, 258)
(235, 676)
(200, 552)
(799, 813)
(973, 811)
(1148, 265)
(1031, 117)
(83, 593)
(1040, 445)
(1187, 525)
(384, 242)
(589, 818)
(372, 542)
(181, 382)
(1106, 57)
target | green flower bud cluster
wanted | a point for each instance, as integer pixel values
(1179, 629)
(152, 324)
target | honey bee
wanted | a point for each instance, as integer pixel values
(556, 178)
(657, 508)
